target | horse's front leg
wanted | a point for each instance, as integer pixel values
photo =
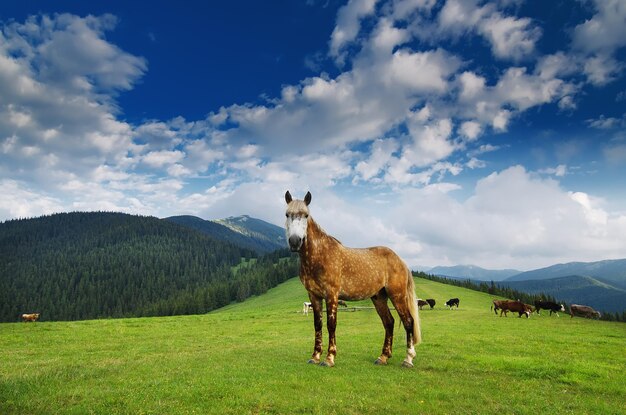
(316, 304)
(331, 324)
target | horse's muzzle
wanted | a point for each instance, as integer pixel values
(295, 243)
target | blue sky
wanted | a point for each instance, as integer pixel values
(455, 132)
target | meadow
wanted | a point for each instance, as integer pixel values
(251, 357)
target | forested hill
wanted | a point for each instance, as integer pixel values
(73, 266)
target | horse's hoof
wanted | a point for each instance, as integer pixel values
(407, 365)
(380, 362)
(312, 362)
(327, 364)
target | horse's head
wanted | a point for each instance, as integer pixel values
(297, 220)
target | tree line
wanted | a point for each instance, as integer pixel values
(507, 292)
(84, 265)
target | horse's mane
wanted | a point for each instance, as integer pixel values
(323, 232)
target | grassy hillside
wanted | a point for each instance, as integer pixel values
(251, 358)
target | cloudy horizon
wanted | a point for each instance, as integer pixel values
(454, 132)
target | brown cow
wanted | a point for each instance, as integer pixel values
(421, 303)
(497, 305)
(583, 311)
(516, 307)
(30, 317)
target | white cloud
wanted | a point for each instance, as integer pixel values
(431, 142)
(512, 220)
(558, 171)
(607, 123)
(348, 25)
(472, 85)
(509, 37)
(598, 38)
(470, 130)
(162, 158)
(380, 156)
(20, 202)
(57, 77)
(605, 31)
(602, 69)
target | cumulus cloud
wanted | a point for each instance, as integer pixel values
(512, 219)
(348, 25)
(56, 110)
(20, 202)
(598, 38)
(510, 37)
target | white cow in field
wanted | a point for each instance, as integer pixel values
(306, 307)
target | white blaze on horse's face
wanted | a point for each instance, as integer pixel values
(297, 220)
(296, 231)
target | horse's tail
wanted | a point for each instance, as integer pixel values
(417, 332)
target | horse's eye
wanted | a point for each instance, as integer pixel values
(306, 216)
(287, 214)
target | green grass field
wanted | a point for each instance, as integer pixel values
(251, 358)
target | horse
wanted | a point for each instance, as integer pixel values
(332, 272)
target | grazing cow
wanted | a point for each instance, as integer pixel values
(583, 311)
(549, 305)
(421, 303)
(515, 307)
(30, 317)
(497, 305)
(306, 307)
(431, 302)
(342, 303)
(452, 302)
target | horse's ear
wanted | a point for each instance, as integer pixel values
(307, 198)
(288, 198)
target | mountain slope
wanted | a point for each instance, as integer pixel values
(575, 289)
(91, 265)
(473, 272)
(611, 271)
(264, 233)
(243, 231)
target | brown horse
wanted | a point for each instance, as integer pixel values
(329, 271)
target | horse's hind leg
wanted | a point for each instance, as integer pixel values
(380, 303)
(400, 302)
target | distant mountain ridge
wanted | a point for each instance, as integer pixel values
(243, 231)
(473, 272)
(612, 271)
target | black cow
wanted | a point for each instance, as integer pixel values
(549, 305)
(452, 302)
(431, 302)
